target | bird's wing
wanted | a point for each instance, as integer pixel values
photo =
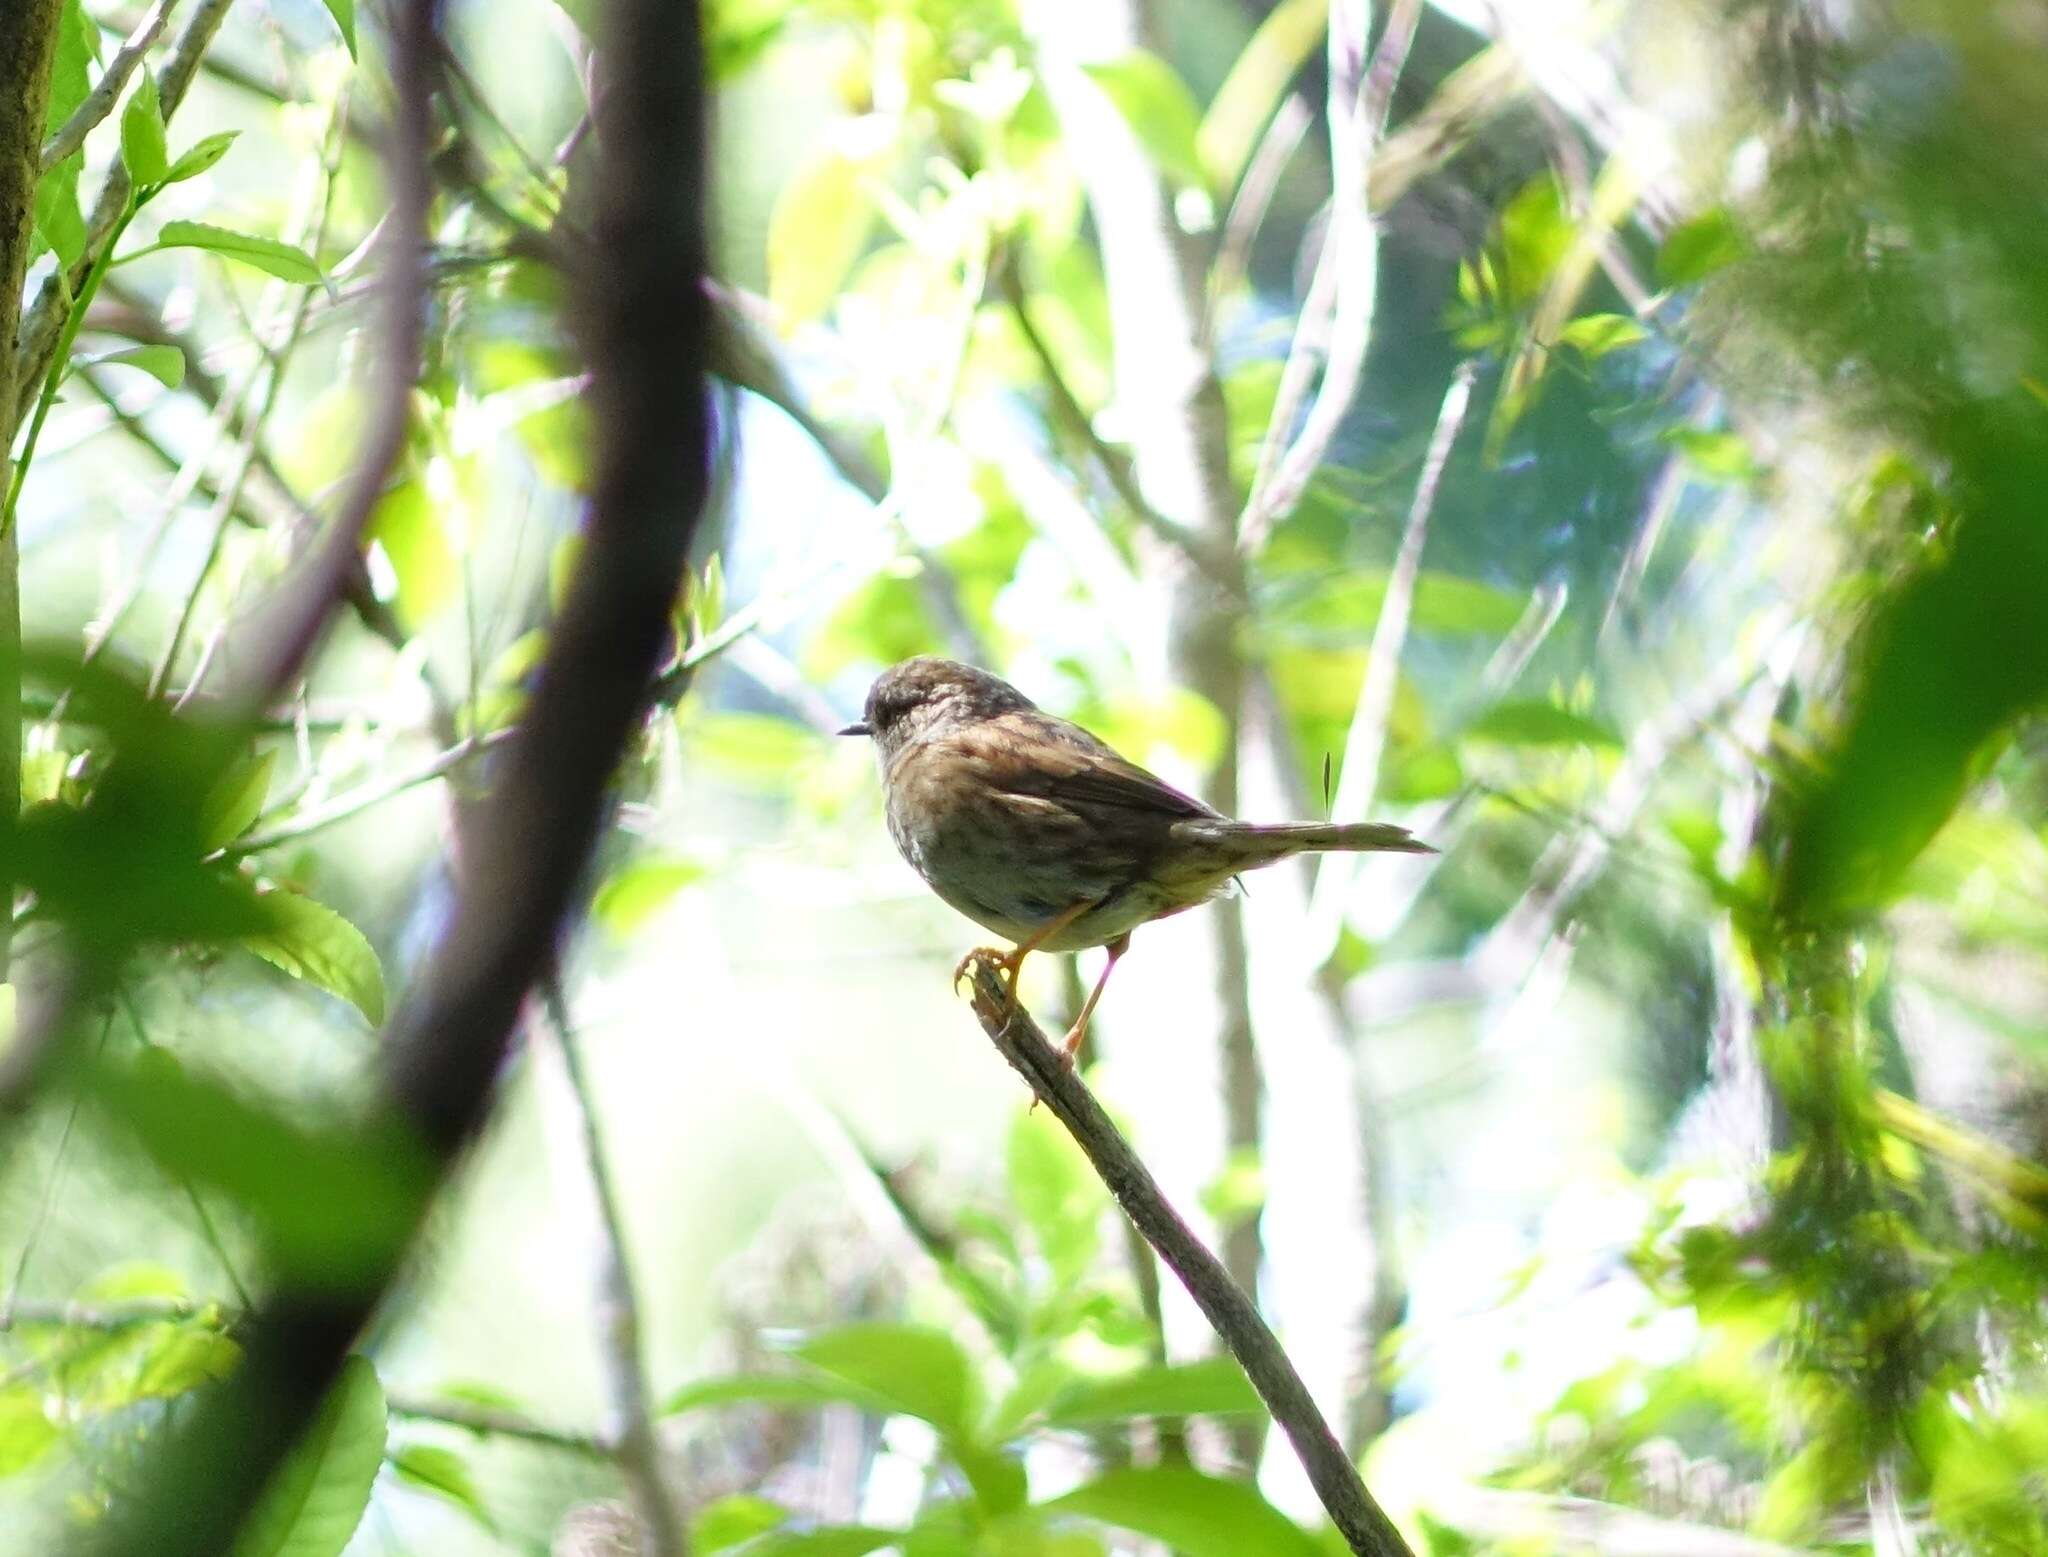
(1034, 753)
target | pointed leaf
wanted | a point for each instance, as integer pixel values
(236, 801)
(917, 1371)
(311, 941)
(1160, 110)
(443, 1473)
(165, 364)
(1196, 1515)
(270, 255)
(1215, 1386)
(344, 14)
(200, 156)
(142, 135)
(317, 1498)
(1532, 722)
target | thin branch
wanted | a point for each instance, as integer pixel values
(527, 846)
(490, 1421)
(1282, 138)
(1337, 320)
(638, 1450)
(28, 46)
(354, 802)
(1367, 738)
(45, 319)
(99, 102)
(1361, 1521)
(1116, 466)
(110, 1317)
(249, 449)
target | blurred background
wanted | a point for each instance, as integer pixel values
(1609, 441)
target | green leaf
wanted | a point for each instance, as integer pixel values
(233, 805)
(26, 1432)
(178, 1358)
(824, 1541)
(142, 134)
(913, 1370)
(311, 941)
(344, 14)
(1536, 232)
(318, 1495)
(1056, 1192)
(1160, 110)
(1238, 1191)
(445, 1474)
(639, 889)
(165, 364)
(330, 1200)
(200, 156)
(58, 222)
(756, 747)
(1196, 1515)
(270, 255)
(1593, 336)
(1723, 457)
(727, 1521)
(406, 525)
(772, 1390)
(1245, 102)
(821, 221)
(1443, 602)
(1697, 248)
(1216, 1386)
(1532, 722)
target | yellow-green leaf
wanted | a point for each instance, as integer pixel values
(311, 941)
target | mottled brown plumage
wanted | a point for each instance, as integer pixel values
(1034, 829)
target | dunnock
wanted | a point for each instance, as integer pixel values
(1032, 827)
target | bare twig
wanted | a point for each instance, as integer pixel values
(354, 802)
(1366, 741)
(493, 1422)
(1337, 319)
(99, 102)
(637, 1449)
(28, 42)
(124, 1315)
(527, 845)
(1282, 138)
(1363, 1524)
(45, 319)
(1114, 465)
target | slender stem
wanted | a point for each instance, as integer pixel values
(55, 376)
(99, 102)
(620, 1330)
(1361, 1521)
(1366, 741)
(503, 1424)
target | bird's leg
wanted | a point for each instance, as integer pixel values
(1012, 961)
(1079, 1031)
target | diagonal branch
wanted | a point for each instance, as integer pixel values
(45, 319)
(1362, 1522)
(1366, 742)
(1337, 319)
(526, 854)
(638, 1451)
(99, 102)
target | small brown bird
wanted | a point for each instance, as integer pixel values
(1033, 828)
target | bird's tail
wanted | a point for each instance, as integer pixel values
(1248, 845)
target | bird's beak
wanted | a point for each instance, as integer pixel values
(858, 727)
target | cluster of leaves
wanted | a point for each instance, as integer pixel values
(1061, 1356)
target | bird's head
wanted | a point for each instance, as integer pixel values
(913, 697)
